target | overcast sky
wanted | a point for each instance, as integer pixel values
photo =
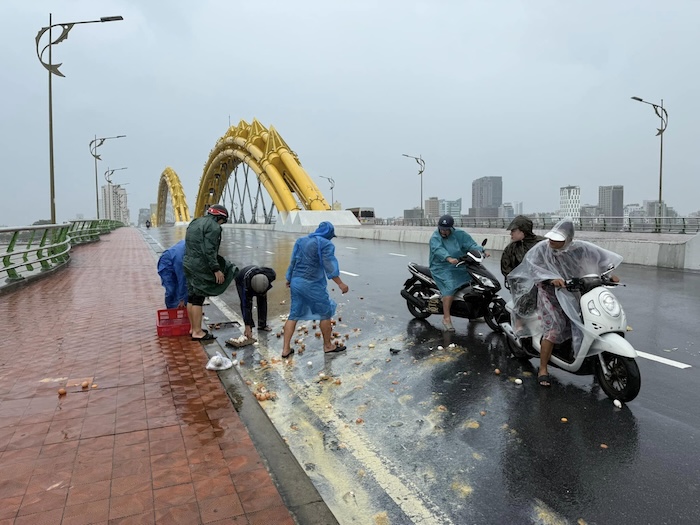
(537, 92)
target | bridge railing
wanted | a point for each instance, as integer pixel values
(31, 251)
(597, 224)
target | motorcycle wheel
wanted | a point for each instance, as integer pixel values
(619, 377)
(417, 312)
(496, 313)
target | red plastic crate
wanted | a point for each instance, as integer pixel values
(172, 322)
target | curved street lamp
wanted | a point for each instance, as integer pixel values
(421, 169)
(663, 115)
(332, 186)
(94, 144)
(53, 70)
(109, 172)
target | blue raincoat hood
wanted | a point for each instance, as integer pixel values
(325, 230)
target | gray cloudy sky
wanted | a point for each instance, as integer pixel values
(535, 91)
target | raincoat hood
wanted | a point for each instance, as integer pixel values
(562, 231)
(325, 230)
(521, 223)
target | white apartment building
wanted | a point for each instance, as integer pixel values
(570, 202)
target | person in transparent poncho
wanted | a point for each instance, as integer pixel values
(545, 268)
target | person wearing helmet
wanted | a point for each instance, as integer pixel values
(207, 273)
(522, 239)
(447, 245)
(254, 282)
(546, 267)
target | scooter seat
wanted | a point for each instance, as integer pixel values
(423, 269)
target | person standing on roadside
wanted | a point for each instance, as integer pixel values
(313, 262)
(207, 273)
(254, 282)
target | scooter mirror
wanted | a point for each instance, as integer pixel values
(483, 243)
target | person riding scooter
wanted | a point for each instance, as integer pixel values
(546, 266)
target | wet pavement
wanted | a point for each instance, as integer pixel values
(405, 428)
(152, 437)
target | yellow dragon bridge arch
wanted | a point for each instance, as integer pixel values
(170, 185)
(276, 168)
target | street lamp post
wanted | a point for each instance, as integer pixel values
(53, 70)
(421, 169)
(93, 151)
(663, 115)
(108, 178)
(332, 186)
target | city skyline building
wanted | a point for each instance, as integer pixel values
(453, 208)
(487, 197)
(570, 202)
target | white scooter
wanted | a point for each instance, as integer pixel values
(603, 349)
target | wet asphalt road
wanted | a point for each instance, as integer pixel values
(430, 435)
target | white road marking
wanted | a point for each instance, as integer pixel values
(271, 253)
(399, 487)
(398, 254)
(663, 360)
(249, 247)
(350, 248)
(348, 273)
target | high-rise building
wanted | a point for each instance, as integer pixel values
(115, 203)
(611, 203)
(487, 197)
(506, 211)
(570, 202)
(432, 207)
(518, 207)
(453, 208)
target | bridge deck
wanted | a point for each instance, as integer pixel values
(154, 438)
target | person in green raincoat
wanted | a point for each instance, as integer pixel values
(208, 274)
(447, 245)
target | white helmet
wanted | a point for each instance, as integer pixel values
(259, 283)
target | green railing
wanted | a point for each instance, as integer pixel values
(31, 251)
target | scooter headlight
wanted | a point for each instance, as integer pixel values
(609, 303)
(485, 281)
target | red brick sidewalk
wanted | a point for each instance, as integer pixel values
(154, 439)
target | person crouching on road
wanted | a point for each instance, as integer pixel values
(207, 273)
(312, 263)
(254, 281)
(172, 276)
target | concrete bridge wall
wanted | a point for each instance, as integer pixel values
(650, 249)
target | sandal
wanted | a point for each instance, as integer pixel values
(266, 328)
(291, 351)
(544, 380)
(207, 337)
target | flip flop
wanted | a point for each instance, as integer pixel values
(266, 328)
(207, 337)
(338, 348)
(291, 351)
(544, 381)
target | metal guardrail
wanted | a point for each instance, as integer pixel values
(679, 225)
(30, 251)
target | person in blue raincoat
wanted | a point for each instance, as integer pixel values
(172, 275)
(313, 262)
(447, 245)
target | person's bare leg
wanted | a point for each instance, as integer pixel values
(189, 315)
(289, 327)
(545, 353)
(325, 326)
(195, 314)
(446, 306)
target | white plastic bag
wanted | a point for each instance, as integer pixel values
(219, 362)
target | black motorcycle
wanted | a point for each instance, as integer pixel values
(478, 298)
